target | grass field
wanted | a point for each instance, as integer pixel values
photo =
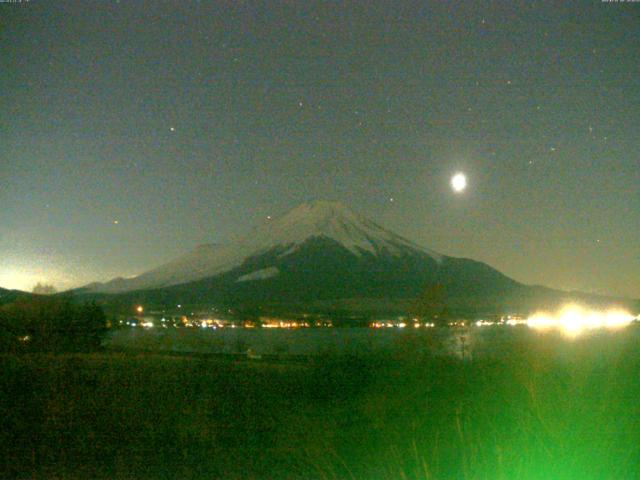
(543, 408)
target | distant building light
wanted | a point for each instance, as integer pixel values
(483, 323)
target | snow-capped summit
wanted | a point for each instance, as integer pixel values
(334, 221)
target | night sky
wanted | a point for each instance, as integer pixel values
(132, 131)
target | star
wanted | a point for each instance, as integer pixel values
(115, 222)
(172, 129)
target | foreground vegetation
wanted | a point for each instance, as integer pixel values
(538, 407)
(39, 323)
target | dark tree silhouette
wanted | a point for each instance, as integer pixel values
(51, 324)
(432, 303)
(44, 289)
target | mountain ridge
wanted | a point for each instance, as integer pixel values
(322, 253)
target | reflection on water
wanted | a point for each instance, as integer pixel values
(462, 342)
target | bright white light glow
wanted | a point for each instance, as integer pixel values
(572, 320)
(459, 182)
(484, 323)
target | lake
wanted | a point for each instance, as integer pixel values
(460, 342)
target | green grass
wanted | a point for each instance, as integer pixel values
(540, 407)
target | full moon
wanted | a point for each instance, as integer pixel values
(459, 182)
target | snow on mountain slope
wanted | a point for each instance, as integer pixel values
(310, 220)
(262, 274)
(205, 261)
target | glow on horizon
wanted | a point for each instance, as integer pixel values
(25, 277)
(20, 279)
(24, 274)
(573, 320)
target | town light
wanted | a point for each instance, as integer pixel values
(572, 320)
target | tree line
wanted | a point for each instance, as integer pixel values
(51, 324)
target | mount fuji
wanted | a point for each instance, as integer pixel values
(330, 223)
(320, 254)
